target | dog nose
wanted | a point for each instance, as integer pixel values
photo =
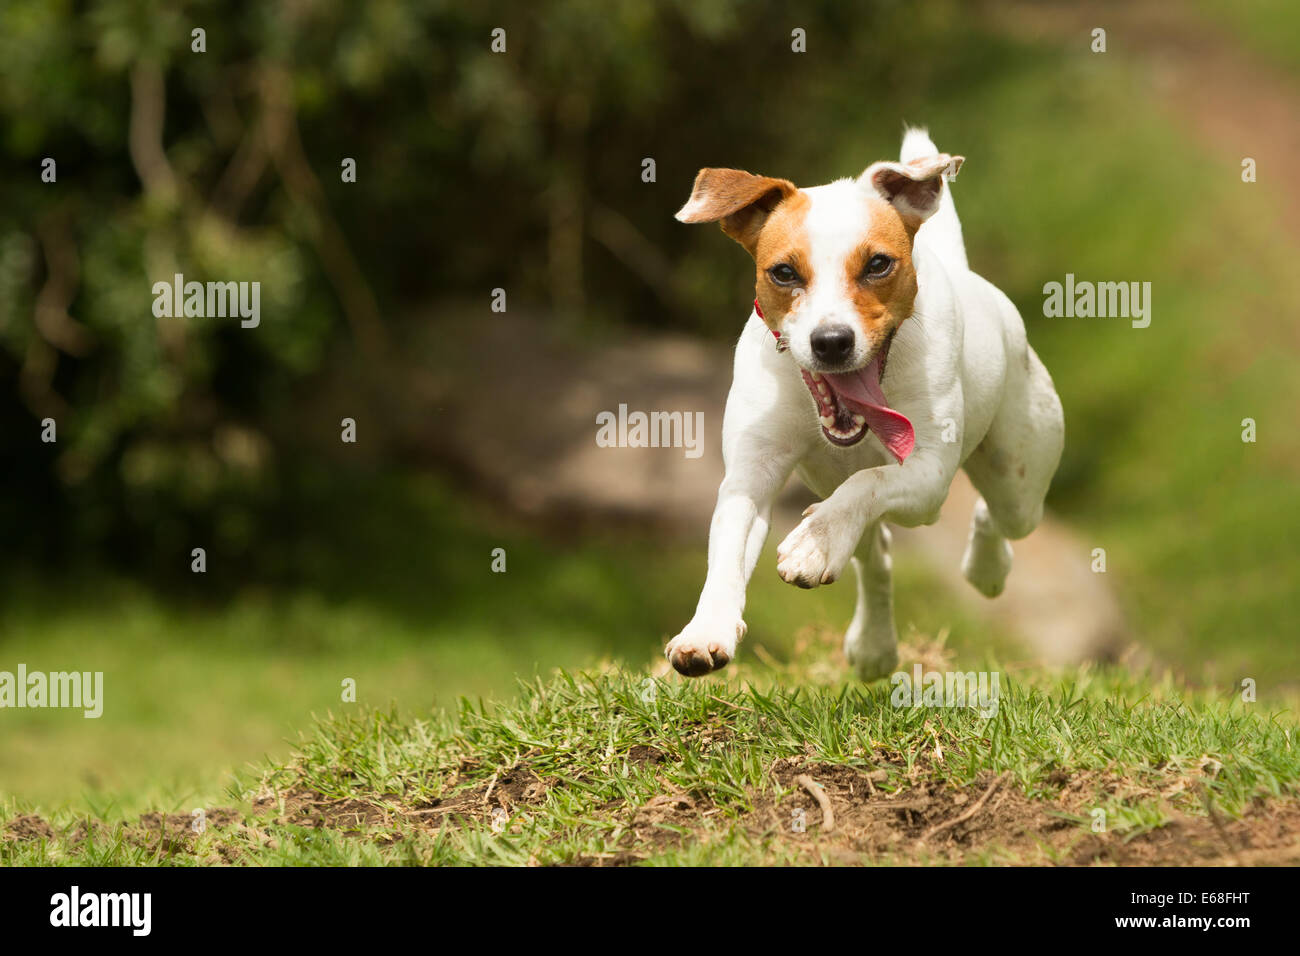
(832, 344)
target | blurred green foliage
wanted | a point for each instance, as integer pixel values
(475, 170)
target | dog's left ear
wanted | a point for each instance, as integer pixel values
(913, 188)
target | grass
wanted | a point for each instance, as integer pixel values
(616, 766)
(197, 688)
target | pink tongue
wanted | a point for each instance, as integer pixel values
(861, 391)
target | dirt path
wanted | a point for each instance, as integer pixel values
(1230, 100)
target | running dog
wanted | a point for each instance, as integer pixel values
(875, 364)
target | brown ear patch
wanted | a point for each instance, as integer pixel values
(739, 200)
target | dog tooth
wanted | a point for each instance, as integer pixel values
(828, 421)
(859, 420)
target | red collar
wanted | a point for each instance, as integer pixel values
(759, 312)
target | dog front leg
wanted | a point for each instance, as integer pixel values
(736, 535)
(911, 494)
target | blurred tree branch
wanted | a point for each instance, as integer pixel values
(145, 137)
(565, 206)
(285, 146)
(638, 253)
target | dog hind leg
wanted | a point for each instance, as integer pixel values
(1012, 469)
(871, 643)
(987, 560)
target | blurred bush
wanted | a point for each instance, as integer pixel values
(475, 170)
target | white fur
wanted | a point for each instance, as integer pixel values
(836, 221)
(962, 357)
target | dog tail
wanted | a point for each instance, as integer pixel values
(943, 229)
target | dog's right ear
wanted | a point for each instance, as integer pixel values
(740, 200)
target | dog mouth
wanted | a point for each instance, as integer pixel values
(842, 424)
(850, 404)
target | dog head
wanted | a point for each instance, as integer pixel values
(834, 271)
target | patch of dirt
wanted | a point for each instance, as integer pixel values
(1267, 835)
(506, 791)
(175, 832)
(662, 823)
(308, 808)
(86, 829)
(929, 820)
(28, 829)
(937, 822)
(642, 755)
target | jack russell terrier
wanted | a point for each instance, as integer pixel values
(875, 364)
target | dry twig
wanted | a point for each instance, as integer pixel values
(823, 801)
(974, 809)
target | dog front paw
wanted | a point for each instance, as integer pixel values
(815, 552)
(702, 648)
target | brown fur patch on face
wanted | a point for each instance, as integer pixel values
(882, 303)
(784, 239)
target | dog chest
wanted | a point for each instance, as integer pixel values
(826, 467)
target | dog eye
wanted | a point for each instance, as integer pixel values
(878, 265)
(783, 275)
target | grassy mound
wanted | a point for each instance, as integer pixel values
(612, 767)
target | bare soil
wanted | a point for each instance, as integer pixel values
(927, 822)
